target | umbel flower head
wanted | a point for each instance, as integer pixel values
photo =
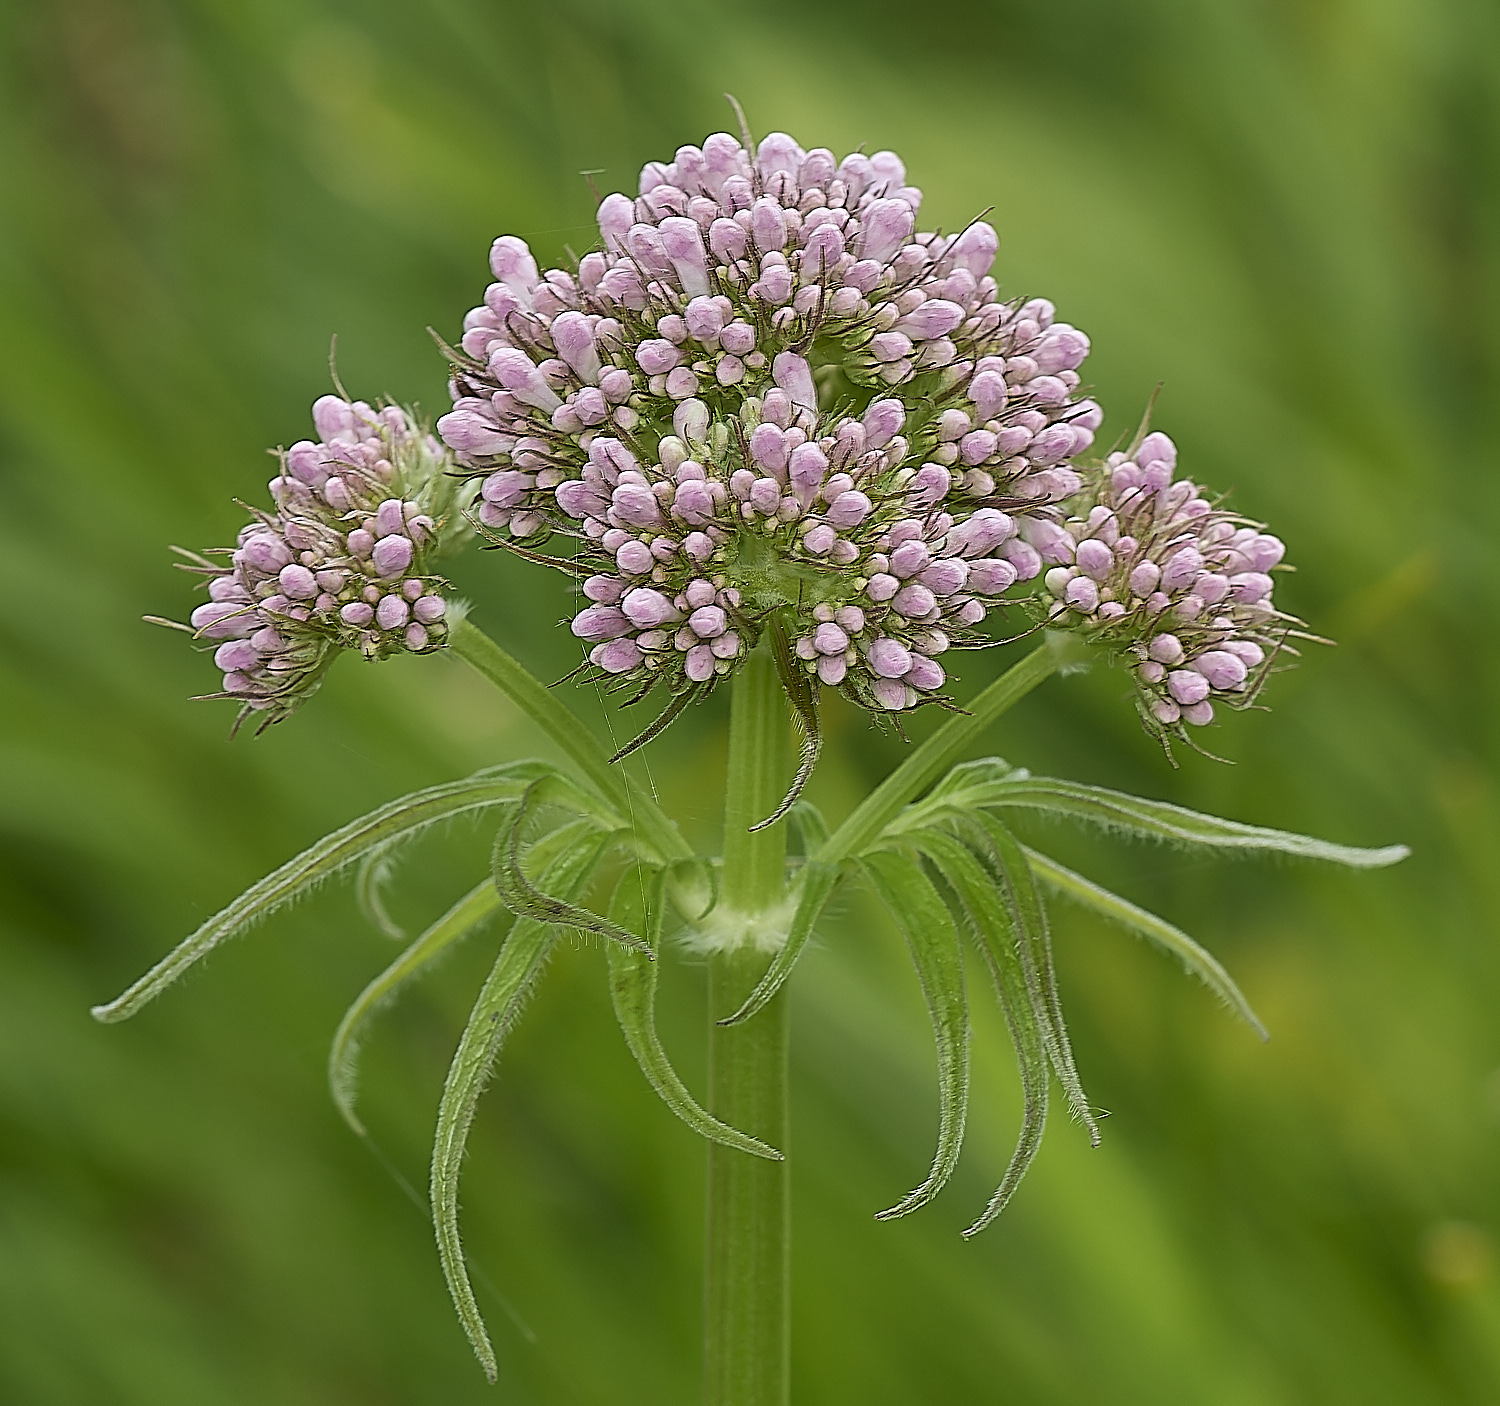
(1148, 568)
(769, 395)
(343, 561)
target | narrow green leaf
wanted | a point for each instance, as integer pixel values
(928, 761)
(812, 829)
(374, 874)
(543, 706)
(526, 900)
(500, 1002)
(1157, 820)
(1030, 917)
(815, 885)
(978, 909)
(479, 904)
(639, 904)
(910, 898)
(400, 819)
(1202, 964)
(802, 693)
(468, 914)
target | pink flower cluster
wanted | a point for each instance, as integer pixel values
(1153, 570)
(340, 564)
(769, 392)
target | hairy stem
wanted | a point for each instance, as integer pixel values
(747, 1280)
(571, 735)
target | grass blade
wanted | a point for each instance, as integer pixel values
(398, 820)
(1201, 963)
(510, 981)
(910, 898)
(639, 903)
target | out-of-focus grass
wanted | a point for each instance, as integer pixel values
(1287, 213)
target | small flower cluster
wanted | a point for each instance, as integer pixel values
(769, 392)
(340, 564)
(1151, 569)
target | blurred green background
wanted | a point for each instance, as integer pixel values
(1288, 211)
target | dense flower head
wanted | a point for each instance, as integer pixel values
(343, 561)
(768, 391)
(1150, 568)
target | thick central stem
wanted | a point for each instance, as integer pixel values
(747, 1316)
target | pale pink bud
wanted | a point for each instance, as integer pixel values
(926, 674)
(616, 657)
(600, 622)
(647, 608)
(1221, 668)
(1187, 686)
(1166, 649)
(792, 373)
(392, 613)
(828, 638)
(849, 509)
(831, 669)
(885, 225)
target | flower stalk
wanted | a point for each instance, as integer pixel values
(747, 1321)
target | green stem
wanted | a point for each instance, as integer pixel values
(571, 735)
(747, 1328)
(937, 753)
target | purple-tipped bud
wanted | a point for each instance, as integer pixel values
(647, 608)
(888, 658)
(264, 552)
(925, 674)
(792, 373)
(391, 555)
(832, 668)
(616, 657)
(1166, 649)
(947, 575)
(1187, 686)
(683, 242)
(698, 664)
(990, 576)
(223, 620)
(1095, 559)
(1082, 594)
(1221, 668)
(885, 225)
(914, 602)
(828, 638)
(974, 249)
(848, 509)
(392, 613)
(808, 464)
(634, 558)
(297, 582)
(1156, 448)
(1181, 568)
(600, 622)
(574, 340)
